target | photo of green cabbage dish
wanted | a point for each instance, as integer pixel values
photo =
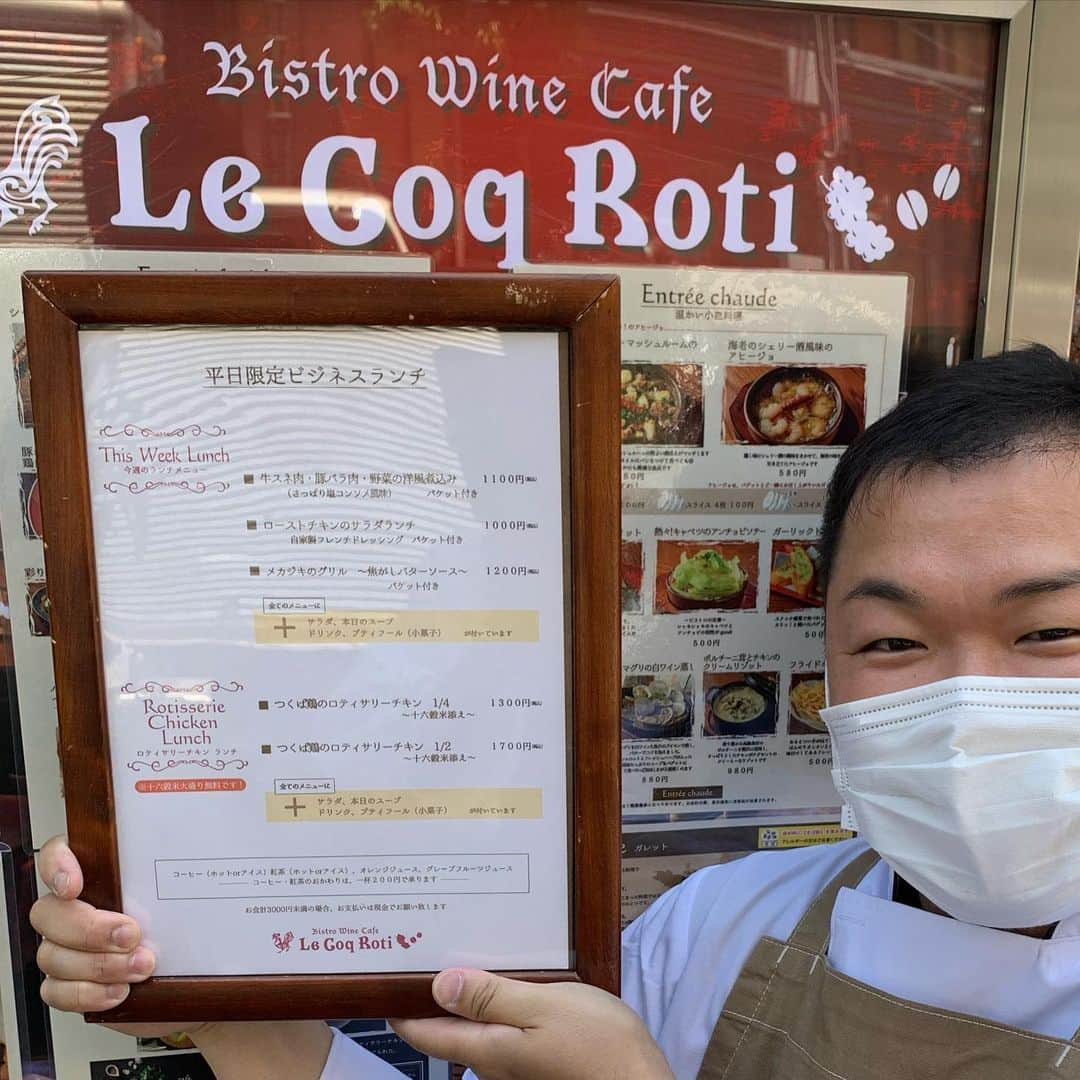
(707, 575)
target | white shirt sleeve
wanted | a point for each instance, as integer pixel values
(348, 1060)
(654, 951)
(655, 948)
(681, 958)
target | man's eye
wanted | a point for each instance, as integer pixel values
(1056, 633)
(891, 644)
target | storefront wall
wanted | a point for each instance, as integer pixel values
(676, 134)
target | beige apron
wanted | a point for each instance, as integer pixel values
(790, 1016)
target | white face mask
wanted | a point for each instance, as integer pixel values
(970, 789)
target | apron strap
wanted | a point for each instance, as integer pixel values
(814, 928)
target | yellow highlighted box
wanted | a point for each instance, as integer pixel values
(409, 804)
(791, 836)
(398, 628)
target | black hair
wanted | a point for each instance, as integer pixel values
(1027, 400)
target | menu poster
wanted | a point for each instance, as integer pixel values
(14, 1041)
(340, 676)
(739, 390)
(182, 1065)
(655, 860)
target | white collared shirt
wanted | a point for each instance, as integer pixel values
(682, 957)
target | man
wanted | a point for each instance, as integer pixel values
(952, 559)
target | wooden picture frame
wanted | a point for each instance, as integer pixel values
(584, 310)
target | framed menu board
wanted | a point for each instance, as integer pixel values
(333, 575)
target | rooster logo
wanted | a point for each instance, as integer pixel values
(42, 138)
(283, 944)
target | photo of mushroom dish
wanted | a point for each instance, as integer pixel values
(650, 404)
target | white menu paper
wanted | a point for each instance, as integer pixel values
(331, 586)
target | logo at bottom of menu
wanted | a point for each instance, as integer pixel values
(344, 940)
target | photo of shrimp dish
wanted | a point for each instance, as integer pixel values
(797, 410)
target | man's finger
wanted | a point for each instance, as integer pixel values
(451, 1039)
(59, 869)
(100, 967)
(82, 997)
(79, 926)
(490, 999)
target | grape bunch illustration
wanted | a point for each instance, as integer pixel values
(847, 199)
(870, 240)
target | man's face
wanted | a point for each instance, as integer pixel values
(970, 574)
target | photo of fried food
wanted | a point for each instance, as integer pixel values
(794, 580)
(805, 702)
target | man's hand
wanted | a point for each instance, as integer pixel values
(511, 1030)
(90, 958)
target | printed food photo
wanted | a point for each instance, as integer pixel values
(806, 699)
(711, 576)
(658, 706)
(794, 406)
(632, 572)
(740, 703)
(660, 405)
(37, 606)
(21, 364)
(794, 579)
(30, 500)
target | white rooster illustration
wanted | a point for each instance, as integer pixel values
(42, 138)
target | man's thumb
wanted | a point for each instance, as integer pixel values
(487, 998)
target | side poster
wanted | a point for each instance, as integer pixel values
(74, 1045)
(739, 392)
(20, 510)
(157, 1060)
